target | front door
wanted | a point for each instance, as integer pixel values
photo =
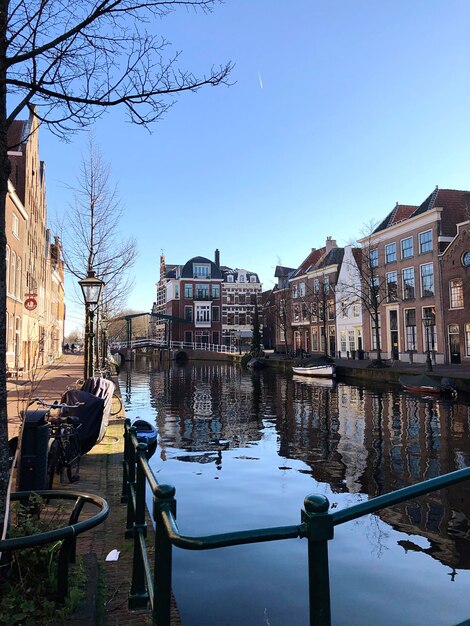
(454, 343)
(394, 335)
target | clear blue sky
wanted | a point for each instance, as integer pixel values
(338, 110)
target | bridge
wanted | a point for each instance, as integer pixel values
(124, 347)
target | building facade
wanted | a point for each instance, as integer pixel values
(35, 270)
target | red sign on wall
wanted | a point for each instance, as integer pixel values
(30, 303)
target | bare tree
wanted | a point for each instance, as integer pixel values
(372, 289)
(71, 61)
(90, 231)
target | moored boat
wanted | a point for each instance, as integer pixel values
(327, 370)
(146, 432)
(426, 385)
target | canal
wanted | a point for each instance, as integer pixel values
(244, 448)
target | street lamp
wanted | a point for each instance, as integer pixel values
(91, 288)
(428, 321)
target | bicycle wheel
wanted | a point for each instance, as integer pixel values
(53, 462)
(72, 457)
(116, 406)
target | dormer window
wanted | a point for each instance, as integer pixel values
(241, 278)
(201, 270)
(230, 278)
(252, 278)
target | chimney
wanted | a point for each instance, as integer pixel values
(330, 244)
(217, 257)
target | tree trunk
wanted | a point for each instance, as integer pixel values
(4, 176)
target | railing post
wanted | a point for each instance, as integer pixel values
(319, 531)
(139, 595)
(164, 498)
(125, 462)
(131, 494)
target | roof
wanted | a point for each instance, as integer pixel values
(399, 213)
(187, 271)
(16, 135)
(455, 204)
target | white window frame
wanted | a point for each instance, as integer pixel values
(426, 243)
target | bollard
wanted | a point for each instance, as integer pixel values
(125, 461)
(319, 531)
(131, 486)
(164, 500)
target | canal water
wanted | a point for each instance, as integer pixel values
(244, 448)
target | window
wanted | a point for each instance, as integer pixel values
(11, 287)
(352, 341)
(230, 278)
(408, 283)
(392, 282)
(188, 292)
(407, 248)
(216, 314)
(430, 311)
(315, 339)
(373, 332)
(241, 278)
(456, 293)
(18, 278)
(202, 292)
(295, 291)
(331, 310)
(467, 339)
(316, 286)
(390, 252)
(215, 292)
(302, 290)
(252, 278)
(410, 329)
(427, 280)
(188, 313)
(326, 285)
(374, 258)
(177, 291)
(188, 336)
(374, 288)
(425, 241)
(342, 341)
(201, 271)
(15, 229)
(7, 263)
(203, 313)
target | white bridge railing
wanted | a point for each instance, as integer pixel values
(173, 345)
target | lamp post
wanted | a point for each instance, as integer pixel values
(91, 288)
(428, 321)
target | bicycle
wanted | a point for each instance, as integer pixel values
(64, 443)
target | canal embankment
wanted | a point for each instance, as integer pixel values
(108, 582)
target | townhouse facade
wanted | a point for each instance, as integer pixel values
(406, 251)
(35, 270)
(210, 303)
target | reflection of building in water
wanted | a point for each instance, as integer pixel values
(352, 435)
(204, 405)
(409, 440)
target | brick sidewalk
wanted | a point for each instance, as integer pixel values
(101, 474)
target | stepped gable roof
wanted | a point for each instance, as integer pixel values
(187, 271)
(399, 213)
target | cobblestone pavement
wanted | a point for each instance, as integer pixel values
(101, 474)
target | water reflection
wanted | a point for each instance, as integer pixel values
(358, 440)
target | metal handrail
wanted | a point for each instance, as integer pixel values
(317, 526)
(67, 534)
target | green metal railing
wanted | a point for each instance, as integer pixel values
(317, 526)
(67, 534)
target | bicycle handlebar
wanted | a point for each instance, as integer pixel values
(57, 405)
